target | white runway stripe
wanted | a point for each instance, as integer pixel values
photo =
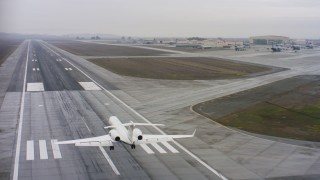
(146, 148)
(114, 168)
(38, 69)
(33, 69)
(55, 149)
(66, 69)
(35, 87)
(159, 148)
(30, 150)
(43, 149)
(70, 69)
(89, 86)
(171, 148)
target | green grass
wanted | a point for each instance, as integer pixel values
(179, 68)
(269, 119)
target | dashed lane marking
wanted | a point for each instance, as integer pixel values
(66, 69)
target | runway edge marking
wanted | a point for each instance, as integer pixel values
(18, 145)
(146, 120)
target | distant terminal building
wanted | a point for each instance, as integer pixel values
(268, 40)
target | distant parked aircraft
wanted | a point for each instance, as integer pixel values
(277, 48)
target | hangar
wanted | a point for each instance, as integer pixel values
(268, 40)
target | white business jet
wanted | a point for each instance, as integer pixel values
(119, 133)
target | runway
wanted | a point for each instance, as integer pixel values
(52, 95)
(58, 100)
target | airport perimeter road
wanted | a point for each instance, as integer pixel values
(51, 97)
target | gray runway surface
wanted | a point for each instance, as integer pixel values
(63, 101)
(58, 107)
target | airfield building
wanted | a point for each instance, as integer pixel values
(268, 40)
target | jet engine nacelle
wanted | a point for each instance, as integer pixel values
(114, 135)
(137, 133)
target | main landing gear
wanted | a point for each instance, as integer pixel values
(111, 147)
(133, 146)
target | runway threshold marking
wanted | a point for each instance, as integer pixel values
(43, 149)
(146, 148)
(55, 149)
(30, 153)
(159, 148)
(171, 148)
(30, 150)
(114, 168)
(146, 120)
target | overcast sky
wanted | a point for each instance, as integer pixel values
(155, 18)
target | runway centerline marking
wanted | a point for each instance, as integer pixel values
(30, 150)
(146, 120)
(18, 146)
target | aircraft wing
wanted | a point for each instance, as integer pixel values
(104, 140)
(162, 138)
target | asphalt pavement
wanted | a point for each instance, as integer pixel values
(55, 99)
